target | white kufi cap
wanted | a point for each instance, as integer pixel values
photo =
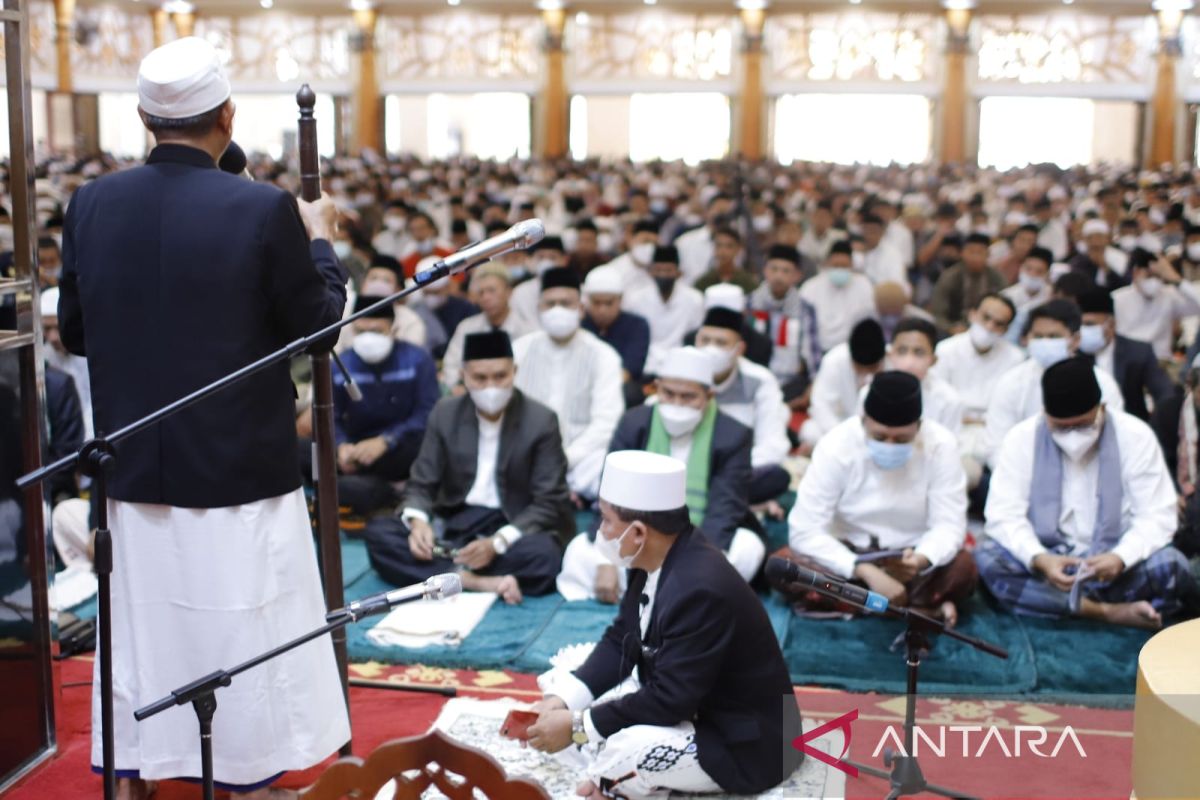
(641, 481)
(49, 302)
(1095, 226)
(182, 79)
(603, 280)
(725, 295)
(688, 364)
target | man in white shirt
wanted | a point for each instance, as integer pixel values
(634, 264)
(750, 394)
(576, 375)
(912, 350)
(844, 371)
(884, 503)
(1052, 233)
(1033, 286)
(1158, 298)
(821, 235)
(973, 363)
(490, 290)
(393, 240)
(546, 254)
(840, 295)
(1081, 512)
(696, 246)
(672, 309)
(880, 261)
(57, 356)
(1053, 336)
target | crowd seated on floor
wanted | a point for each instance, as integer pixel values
(943, 378)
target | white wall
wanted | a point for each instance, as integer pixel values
(1015, 131)
(853, 128)
(38, 113)
(1114, 131)
(607, 124)
(485, 124)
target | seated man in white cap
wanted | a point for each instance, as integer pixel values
(749, 393)
(688, 690)
(1081, 512)
(759, 348)
(684, 424)
(628, 334)
(576, 375)
(487, 494)
(884, 503)
(844, 371)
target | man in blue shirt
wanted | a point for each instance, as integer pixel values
(628, 334)
(379, 436)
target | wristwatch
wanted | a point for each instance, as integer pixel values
(578, 732)
(499, 544)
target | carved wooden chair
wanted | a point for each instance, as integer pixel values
(416, 763)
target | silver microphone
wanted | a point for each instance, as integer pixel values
(521, 236)
(439, 587)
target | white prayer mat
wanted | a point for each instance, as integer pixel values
(432, 622)
(476, 723)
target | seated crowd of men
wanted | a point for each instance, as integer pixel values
(1010, 347)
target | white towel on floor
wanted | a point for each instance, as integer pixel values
(426, 622)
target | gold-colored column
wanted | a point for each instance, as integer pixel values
(185, 23)
(1165, 106)
(158, 22)
(367, 129)
(954, 89)
(555, 105)
(64, 17)
(753, 107)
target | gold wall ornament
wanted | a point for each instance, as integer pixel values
(275, 48)
(654, 44)
(1065, 48)
(460, 45)
(853, 46)
(117, 43)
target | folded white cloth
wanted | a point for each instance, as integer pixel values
(426, 622)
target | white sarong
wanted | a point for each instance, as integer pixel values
(196, 590)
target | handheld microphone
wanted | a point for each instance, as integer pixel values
(233, 160)
(439, 587)
(523, 235)
(351, 387)
(780, 570)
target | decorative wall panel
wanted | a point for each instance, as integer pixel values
(651, 45)
(863, 47)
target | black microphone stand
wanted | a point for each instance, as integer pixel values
(201, 693)
(97, 458)
(905, 776)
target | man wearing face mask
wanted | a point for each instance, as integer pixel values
(1131, 363)
(634, 264)
(423, 241)
(49, 262)
(1081, 513)
(490, 290)
(1052, 335)
(886, 481)
(626, 333)
(687, 690)
(378, 437)
(1098, 259)
(487, 494)
(961, 287)
(684, 424)
(1033, 285)
(671, 308)
(545, 255)
(591, 248)
(841, 296)
(749, 393)
(696, 246)
(393, 240)
(844, 371)
(574, 373)
(1149, 309)
(820, 236)
(727, 248)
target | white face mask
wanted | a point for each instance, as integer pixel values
(722, 359)
(492, 399)
(1092, 339)
(341, 248)
(611, 549)
(559, 322)
(763, 223)
(1049, 352)
(394, 224)
(434, 301)
(642, 253)
(378, 288)
(1032, 283)
(679, 420)
(1127, 243)
(1150, 287)
(543, 264)
(373, 347)
(1077, 443)
(1193, 251)
(982, 338)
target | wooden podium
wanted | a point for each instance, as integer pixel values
(1166, 717)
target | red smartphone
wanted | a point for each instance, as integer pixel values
(516, 724)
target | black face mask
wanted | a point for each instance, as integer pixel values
(572, 204)
(665, 285)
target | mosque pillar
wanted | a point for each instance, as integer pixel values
(1165, 107)
(554, 103)
(752, 103)
(954, 89)
(64, 19)
(366, 130)
(185, 22)
(158, 21)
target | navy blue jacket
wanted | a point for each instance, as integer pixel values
(397, 395)
(629, 335)
(175, 274)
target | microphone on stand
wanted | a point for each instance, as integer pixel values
(351, 387)
(523, 235)
(233, 160)
(780, 570)
(439, 587)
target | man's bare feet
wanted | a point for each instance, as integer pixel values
(504, 585)
(589, 790)
(1139, 614)
(135, 789)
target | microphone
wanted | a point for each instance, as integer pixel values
(233, 160)
(351, 387)
(780, 570)
(523, 235)
(439, 587)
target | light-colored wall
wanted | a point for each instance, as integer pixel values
(607, 126)
(1114, 131)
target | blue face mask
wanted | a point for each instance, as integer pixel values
(889, 455)
(839, 276)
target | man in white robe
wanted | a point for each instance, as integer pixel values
(841, 295)
(844, 371)
(672, 309)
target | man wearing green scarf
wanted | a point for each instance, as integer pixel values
(685, 424)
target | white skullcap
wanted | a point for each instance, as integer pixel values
(641, 481)
(725, 295)
(1015, 218)
(1095, 226)
(49, 302)
(688, 364)
(603, 280)
(182, 79)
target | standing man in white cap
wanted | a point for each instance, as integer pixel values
(687, 690)
(176, 274)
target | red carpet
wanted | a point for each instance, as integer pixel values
(379, 715)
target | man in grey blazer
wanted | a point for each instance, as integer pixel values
(487, 494)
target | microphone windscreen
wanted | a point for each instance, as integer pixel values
(446, 585)
(233, 160)
(780, 570)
